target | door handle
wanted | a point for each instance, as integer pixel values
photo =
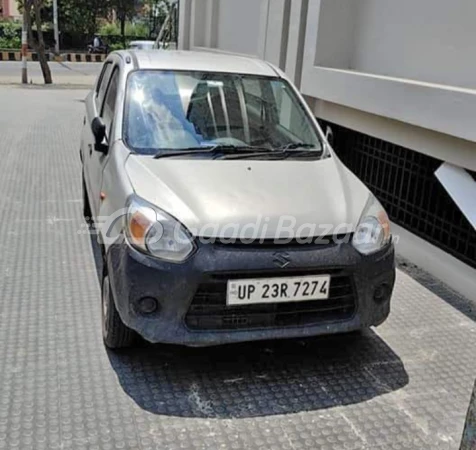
(90, 149)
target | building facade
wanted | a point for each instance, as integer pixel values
(9, 9)
(396, 81)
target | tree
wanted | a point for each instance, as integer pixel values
(32, 9)
(158, 11)
(80, 16)
(125, 9)
(168, 31)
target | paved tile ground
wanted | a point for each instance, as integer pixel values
(405, 385)
(63, 73)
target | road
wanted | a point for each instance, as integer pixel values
(404, 385)
(63, 73)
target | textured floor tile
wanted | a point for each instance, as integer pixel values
(405, 385)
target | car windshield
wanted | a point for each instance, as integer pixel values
(173, 111)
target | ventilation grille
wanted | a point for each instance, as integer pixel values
(405, 182)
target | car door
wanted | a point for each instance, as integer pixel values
(93, 103)
(96, 161)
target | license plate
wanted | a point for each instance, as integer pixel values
(277, 290)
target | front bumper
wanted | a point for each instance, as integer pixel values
(176, 288)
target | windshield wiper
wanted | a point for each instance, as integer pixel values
(240, 152)
(302, 153)
(216, 149)
(277, 155)
(296, 146)
(281, 153)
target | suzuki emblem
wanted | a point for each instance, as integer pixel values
(282, 260)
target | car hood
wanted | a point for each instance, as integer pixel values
(250, 199)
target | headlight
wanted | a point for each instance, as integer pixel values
(373, 232)
(154, 232)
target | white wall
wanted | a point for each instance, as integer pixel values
(239, 26)
(426, 40)
(336, 23)
(224, 25)
(199, 20)
(447, 109)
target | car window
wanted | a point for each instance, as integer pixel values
(290, 114)
(103, 82)
(253, 94)
(179, 110)
(109, 104)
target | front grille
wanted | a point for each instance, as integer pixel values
(317, 241)
(209, 311)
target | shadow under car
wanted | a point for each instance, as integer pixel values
(259, 379)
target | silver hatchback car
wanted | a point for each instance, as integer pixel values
(221, 210)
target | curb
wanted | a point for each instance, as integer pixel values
(69, 57)
(16, 56)
(83, 57)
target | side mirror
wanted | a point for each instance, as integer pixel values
(99, 131)
(330, 136)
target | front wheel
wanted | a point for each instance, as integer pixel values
(115, 333)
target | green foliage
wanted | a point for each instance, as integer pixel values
(10, 35)
(81, 16)
(132, 30)
(134, 18)
(109, 29)
(139, 30)
(118, 46)
(157, 11)
(125, 9)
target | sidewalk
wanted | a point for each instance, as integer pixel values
(37, 81)
(63, 74)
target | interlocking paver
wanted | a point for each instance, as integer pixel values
(405, 385)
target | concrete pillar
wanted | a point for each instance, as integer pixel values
(185, 24)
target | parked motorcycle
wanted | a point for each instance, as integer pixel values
(98, 50)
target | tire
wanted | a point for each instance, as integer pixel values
(115, 334)
(86, 205)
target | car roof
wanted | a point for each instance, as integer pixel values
(201, 61)
(141, 42)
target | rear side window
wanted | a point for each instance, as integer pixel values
(103, 82)
(109, 105)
